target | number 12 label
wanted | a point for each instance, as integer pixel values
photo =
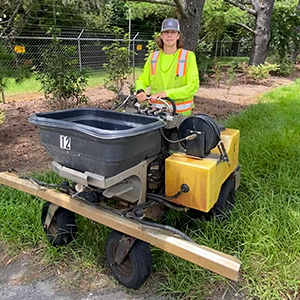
(65, 142)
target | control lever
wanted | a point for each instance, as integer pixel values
(144, 111)
(159, 111)
(224, 156)
(150, 111)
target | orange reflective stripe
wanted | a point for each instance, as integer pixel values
(180, 107)
(182, 62)
(178, 64)
(183, 110)
(184, 70)
(186, 102)
(154, 60)
(151, 64)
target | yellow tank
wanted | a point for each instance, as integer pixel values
(204, 176)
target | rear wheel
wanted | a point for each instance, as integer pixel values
(136, 267)
(225, 202)
(62, 229)
(222, 207)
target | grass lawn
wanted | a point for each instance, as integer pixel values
(263, 230)
(31, 85)
(227, 60)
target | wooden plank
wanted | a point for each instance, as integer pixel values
(218, 262)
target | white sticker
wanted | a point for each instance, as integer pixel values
(65, 142)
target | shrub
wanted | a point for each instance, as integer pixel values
(285, 64)
(231, 72)
(217, 70)
(205, 62)
(62, 82)
(261, 71)
(2, 117)
(286, 67)
(118, 66)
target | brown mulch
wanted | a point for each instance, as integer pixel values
(20, 147)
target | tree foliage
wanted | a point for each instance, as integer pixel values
(118, 66)
(13, 16)
(285, 20)
(220, 19)
(62, 82)
(9, 68)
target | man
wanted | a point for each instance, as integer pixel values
(171, 72)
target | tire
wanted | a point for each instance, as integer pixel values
(137, 265)
(62, 229)
(225, 202)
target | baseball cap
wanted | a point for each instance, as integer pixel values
(170, 24)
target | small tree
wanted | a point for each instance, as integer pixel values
(62, 82)
(118, 66)
(9, 70)
(285, 36)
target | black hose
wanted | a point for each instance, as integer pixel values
(45, 184)
(165, 197)
(141, 205)
(173, 105)
(167, 204)
(165, 227)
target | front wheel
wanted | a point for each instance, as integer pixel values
(136, 267)
(62, 229)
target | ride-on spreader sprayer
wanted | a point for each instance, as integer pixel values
(125, 170)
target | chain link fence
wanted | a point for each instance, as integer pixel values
(231, 48)
(89, 51)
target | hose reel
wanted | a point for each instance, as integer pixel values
(207, 135)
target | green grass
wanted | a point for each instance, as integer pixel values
(227, 60)
(96, 79)
(263, 230)
(31, 85)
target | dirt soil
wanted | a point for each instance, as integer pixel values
(20, 147)
(21, 151)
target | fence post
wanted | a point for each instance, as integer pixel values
(79, 49)
(129, 33)
(133, 54)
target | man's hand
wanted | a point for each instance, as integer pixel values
(141, 96)
(159, 95)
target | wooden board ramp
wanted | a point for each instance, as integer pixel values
(218, 262)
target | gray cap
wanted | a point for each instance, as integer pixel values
(170, 24)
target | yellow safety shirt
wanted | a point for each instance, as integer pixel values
(176, 74)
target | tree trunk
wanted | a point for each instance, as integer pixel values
(260, 43)
(190, 26)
